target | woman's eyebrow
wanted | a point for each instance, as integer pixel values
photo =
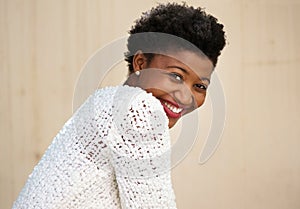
(205, 79)
(186, 72)
(180, 68)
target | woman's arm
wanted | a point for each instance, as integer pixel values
(140, 150)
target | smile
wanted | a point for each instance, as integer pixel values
(171, 110)
(172, 107)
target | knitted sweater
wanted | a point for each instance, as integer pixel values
(114, 152)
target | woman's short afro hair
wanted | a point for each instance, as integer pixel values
(180, 20)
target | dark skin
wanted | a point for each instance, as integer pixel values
(179, 80)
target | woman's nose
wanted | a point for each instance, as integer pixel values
(184, 95)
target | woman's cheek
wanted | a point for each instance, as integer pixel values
(200, 99)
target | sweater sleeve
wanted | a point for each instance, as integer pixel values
(140, 153)
(68, 176)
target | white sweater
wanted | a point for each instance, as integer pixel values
(114, 152)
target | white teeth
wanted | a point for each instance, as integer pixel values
(173, 108)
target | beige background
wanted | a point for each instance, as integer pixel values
(45, 43)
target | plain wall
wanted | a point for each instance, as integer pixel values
(44, 44)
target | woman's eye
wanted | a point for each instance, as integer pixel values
(176, 76)
(201, 86)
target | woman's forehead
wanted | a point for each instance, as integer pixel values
(196, 62)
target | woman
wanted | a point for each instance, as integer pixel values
(114, 152)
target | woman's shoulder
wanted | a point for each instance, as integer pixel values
(127, 102)
(124, 94)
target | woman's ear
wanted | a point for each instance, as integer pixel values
(139, 61)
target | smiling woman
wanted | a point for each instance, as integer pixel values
(114, 152)
(179, 80)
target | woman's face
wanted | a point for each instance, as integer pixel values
(179, 80)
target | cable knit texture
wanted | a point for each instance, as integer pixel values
(114, 152)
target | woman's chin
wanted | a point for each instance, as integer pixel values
(172, 122)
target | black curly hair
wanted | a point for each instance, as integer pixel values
(180, 20)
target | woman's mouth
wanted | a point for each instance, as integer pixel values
(171, 110)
